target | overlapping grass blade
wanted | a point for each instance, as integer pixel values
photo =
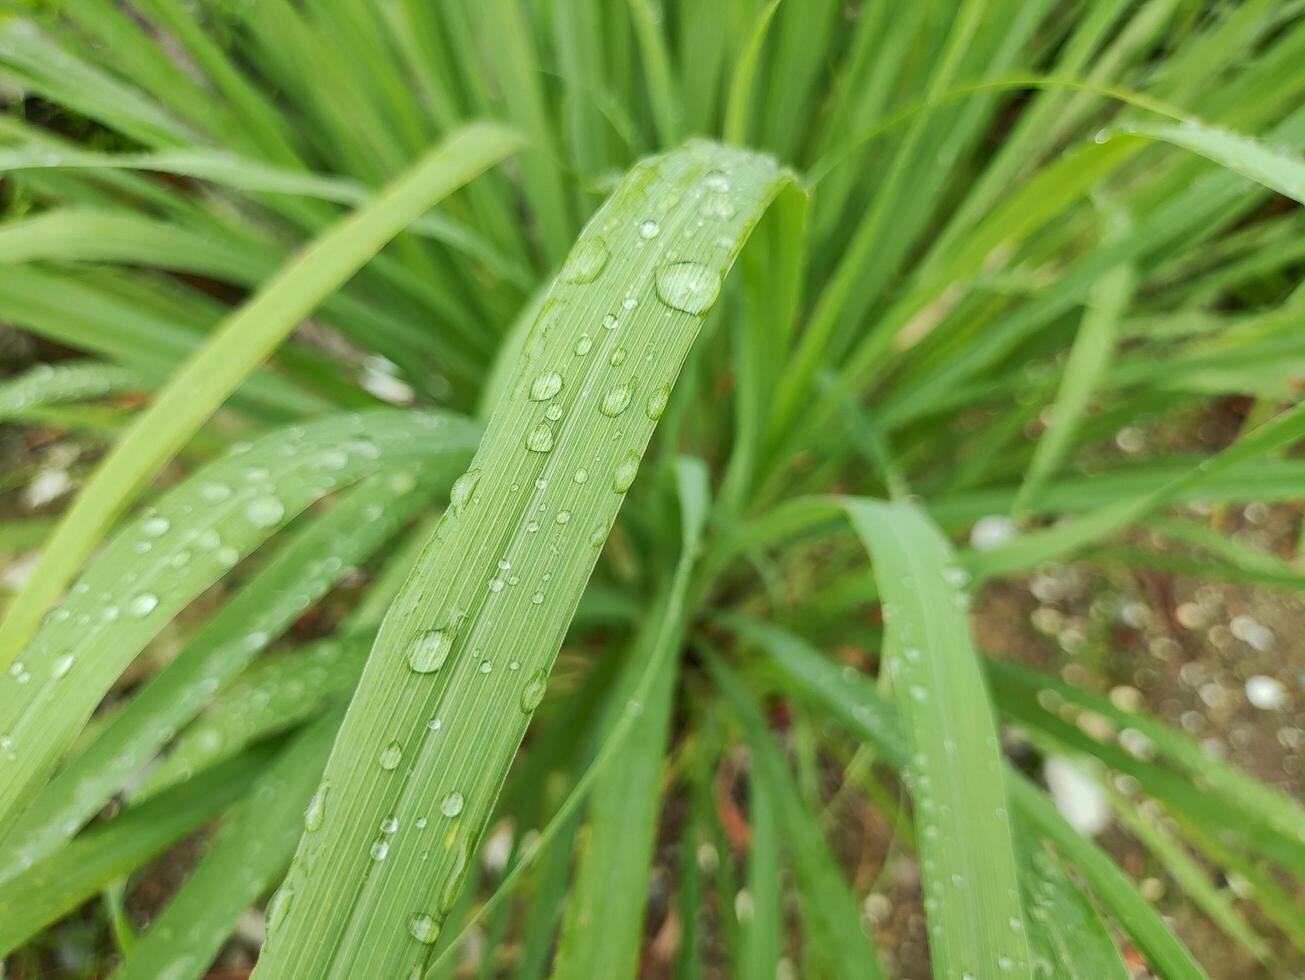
(1276, 167)
(451, 685)
(258, 838)
(189, 539)
(831, 914)
(954, 770)
(274, 694)
(308, 565)
(198, 388)
(856, 704)
(54, 887)
(611, 883)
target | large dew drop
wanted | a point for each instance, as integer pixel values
(391, 756)
(626, 470)
(264, 511)
(539, 439)
(429, 650)
(688, 287)
(533, 693)
(452, 805)
(616, 401)
(316, 809)
(463, 487)
(586, 261)
(424, 928)
(545, 386)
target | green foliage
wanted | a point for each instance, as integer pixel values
(761, 306)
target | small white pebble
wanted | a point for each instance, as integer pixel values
(1265, 693)
(1079, 798)
(991, 531)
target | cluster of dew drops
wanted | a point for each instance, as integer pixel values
(262, 509)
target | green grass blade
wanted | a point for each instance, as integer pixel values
(1276, 167)
(244, 340)
(1067, 936)
(158, 563)
(856, 704)
(603, 931)
(1189, 876)
(69, 381)
(561, 449)
(1088, 360)
(955, 772)
(741, 79)
(1070, 535)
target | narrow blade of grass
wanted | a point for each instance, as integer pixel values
(830, 910)
(955, 767)
(465, 652)
(603, 931)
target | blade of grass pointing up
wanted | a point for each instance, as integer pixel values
(954, 769)
(464, 654)
(603, 930)
(238, 346)
(856, 704)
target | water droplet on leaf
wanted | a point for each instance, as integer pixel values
(463, 487)
(688, 287)
(586, 261)
(545, 386)
(540, 439)
(429, 650)
(626, 470)
(533, 693)
(264, 511)
(424, 928)
(391, 756)
(616, 401)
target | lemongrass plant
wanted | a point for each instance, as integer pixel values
(736, 350)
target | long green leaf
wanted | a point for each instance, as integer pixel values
(465, 652)
(954, 772)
